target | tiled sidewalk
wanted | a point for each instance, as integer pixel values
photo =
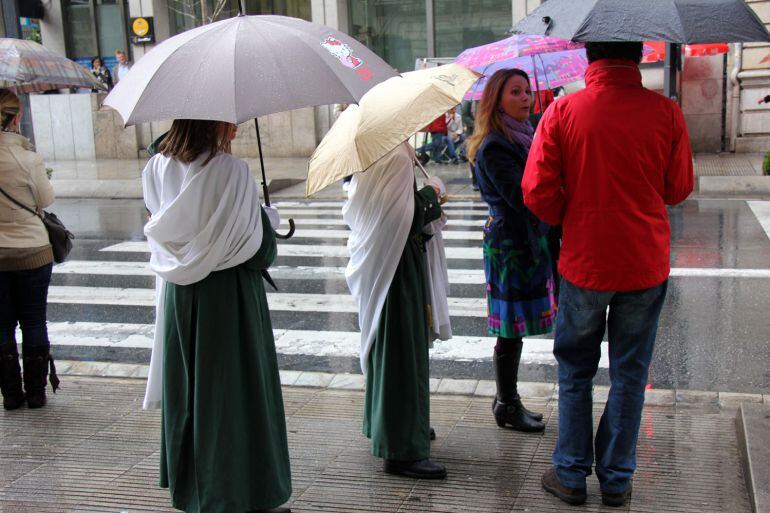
(93, 450)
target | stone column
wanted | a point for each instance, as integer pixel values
(52, 27)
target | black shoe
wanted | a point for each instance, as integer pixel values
(616, 500)
(37, 362)
(514, 416)
(432, 434)
(551, 484)
(532, 414)
(419, 469)
(10, 377)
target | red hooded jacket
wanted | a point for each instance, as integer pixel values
(604, 164)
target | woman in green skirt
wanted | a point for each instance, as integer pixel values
(387, 277)
(214, 371)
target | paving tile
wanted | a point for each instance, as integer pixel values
(433, 385)
(458, 386)
(689, 397)
(734, 400)
(485, 388)
(348, 381)
(120, 370)
(314, 379)
(88, 368)
(659, 397)
(537, 391)
(142, 371)
(289, 377)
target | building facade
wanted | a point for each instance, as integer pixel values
(719, 94)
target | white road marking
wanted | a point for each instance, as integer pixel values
(302, 250)
(456, 276)
(761, 209)
(300, 342)
(329, 303)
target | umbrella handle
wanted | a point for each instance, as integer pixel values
(291, 231)
(419, 164)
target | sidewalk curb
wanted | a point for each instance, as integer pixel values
(533, 391)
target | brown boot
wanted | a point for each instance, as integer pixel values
(551, 484)
(10, 376)
(37, 361)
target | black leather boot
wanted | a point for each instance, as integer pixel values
(37, 362)
(507, 406)
(10, 377)
(418, 469)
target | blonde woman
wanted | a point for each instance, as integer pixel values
(26, 260)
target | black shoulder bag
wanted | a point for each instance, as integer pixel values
(59, 236)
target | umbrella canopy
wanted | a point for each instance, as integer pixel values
(673, 21)
(546, 71)
(658, 52)
(385, 117)
(26, 66)
(519, 45)
(245, 67)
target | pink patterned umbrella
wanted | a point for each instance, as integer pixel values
(480, 57)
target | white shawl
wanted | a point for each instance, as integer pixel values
(438, 281)
(379, 212)
(204, 219)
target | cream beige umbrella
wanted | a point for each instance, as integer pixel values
(387, 115)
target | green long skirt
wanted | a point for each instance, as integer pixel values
(223, 431)
(397, 402)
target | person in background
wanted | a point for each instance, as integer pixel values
(119, 71)
(437, 130)
(213, 370)
(468, 113)
(387, 277)
(517, 263)
(26, 261)
(455, 134)
(604, 164)
(101, 73)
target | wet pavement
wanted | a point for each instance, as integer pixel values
(713, 335)
(92, 450)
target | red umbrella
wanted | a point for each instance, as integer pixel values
(696, 50)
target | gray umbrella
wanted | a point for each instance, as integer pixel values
(674, 21)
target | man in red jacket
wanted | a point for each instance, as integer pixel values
(604, 164)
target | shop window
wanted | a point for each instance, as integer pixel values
(460, 24)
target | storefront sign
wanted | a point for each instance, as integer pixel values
(142, 30)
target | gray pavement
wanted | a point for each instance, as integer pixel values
(93, 450)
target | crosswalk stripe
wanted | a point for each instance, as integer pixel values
(299, 342)
(337, 205)
(328, 303)
(301, 250)
(456, 276)
(290, 212)
(344, 234)
(303, 221)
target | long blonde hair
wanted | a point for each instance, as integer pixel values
(10, 106)
(488, 118)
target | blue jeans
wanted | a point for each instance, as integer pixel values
(23, 301)
(632, 324)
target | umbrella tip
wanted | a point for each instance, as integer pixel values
(548, 22)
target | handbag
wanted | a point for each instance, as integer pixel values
(58, 234)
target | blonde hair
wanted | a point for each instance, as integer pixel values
(10, 106)
(488, 118)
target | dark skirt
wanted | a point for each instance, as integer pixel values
(520, 285)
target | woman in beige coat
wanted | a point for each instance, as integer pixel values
(26, 260)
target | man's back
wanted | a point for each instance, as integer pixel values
(619, 153)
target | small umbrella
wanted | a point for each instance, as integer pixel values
(386, 116)
(244, 67)
(674, 21)
(26, 66)
(479, 58)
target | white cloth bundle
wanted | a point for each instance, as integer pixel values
(379, 212)
(204, 219)
(438, 281)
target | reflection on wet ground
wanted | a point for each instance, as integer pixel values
(714, 331)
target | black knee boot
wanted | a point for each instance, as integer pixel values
(10, 376)
(507, 406)
(37, 361)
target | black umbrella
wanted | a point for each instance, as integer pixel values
(673, 21)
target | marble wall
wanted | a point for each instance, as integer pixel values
(702, 85)
(64, 126)
(286, 134)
